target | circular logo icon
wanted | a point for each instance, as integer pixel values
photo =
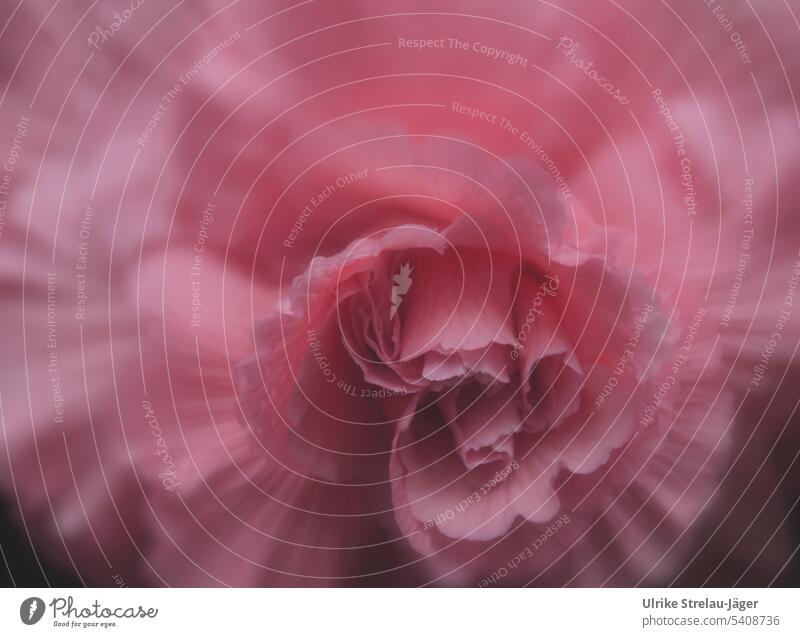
(31, 610)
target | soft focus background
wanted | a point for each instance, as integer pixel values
(136, 135)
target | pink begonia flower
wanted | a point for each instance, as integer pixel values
(353, 293)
